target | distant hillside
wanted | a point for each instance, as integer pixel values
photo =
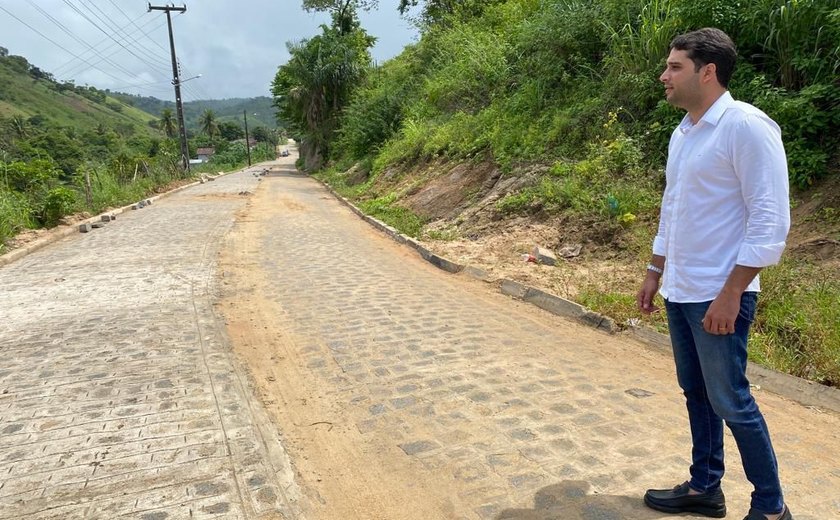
(225, 109)
(26, 91)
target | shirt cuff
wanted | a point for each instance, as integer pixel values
(752, 255)
(659, 246)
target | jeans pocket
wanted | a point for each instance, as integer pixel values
(747, 310)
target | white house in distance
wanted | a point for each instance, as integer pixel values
(204, 154)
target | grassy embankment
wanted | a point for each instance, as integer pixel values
(572, 85)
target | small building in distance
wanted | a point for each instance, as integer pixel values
(204, 154)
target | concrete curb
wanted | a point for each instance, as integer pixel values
(804, 392)
(549, 302)
(791, 387)
(58, 234)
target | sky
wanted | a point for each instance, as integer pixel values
(235, 46)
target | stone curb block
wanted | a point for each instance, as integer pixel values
(557, 305)
(800, 390)
(20, 252)
(478, 274)
(791, 387)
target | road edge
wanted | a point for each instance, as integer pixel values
(61, 232)
(804, 392)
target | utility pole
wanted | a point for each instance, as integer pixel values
(247, 140)
(185, 152)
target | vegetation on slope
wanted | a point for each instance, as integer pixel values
(562, 97)
(67, 149)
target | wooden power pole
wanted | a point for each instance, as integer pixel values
(176, 81)
(247, 139)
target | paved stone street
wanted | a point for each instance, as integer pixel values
(118, 395)
(121, 394)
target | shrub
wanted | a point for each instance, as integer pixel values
(59, 201)
(15, 215)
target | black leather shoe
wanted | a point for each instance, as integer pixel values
(678, 500)
(755, 515)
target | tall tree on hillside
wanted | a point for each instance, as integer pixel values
(208, 123)
(313, 87)
(343, 11)
(438, 11)
(167, 122)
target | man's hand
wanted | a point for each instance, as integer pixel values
(645, 296)
(721, 315)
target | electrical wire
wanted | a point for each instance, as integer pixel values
(130, 39)
(154, 67)
(72, 64)
(70, 33)
(56, 43)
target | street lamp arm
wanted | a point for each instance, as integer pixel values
(185, 80)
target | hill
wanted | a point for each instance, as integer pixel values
(225, 109)
(27, 92)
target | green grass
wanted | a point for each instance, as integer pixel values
(395, 216)
(23, 96)
(797, 328)
(797, 324)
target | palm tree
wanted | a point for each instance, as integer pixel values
(167, 122)
(208, 123)
(315, 84)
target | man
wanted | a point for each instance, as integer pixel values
(725, 215)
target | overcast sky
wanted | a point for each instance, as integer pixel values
(236, 45)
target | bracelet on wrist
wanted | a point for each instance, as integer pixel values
(657, 270)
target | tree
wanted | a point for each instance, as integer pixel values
(263, 134)
(208, 123)
(167, 122)
(37, 74)
(231, 131)
(312, 88)
(437, 11)
(343, 11)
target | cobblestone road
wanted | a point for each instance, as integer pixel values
(493, 407)
(121, 397)
(118, 395)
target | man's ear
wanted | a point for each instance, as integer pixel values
(709, 73)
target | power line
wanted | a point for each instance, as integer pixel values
(72, 65)
(161, 47)
(141, 58)
(55, 43)
(70, 33)
(110, 25)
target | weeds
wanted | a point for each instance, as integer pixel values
(395, 216)
(797, 327)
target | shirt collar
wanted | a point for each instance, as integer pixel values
(712, 115)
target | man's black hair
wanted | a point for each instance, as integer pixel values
(709, 45)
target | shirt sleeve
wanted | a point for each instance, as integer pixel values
(758, 157)
(659, 239)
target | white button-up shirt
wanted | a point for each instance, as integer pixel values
(726, 200)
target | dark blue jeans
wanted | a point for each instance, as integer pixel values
(711, 370)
